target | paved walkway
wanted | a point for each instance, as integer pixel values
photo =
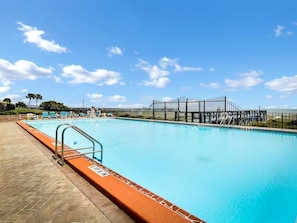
(34, 188)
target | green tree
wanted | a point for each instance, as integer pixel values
(20, 104)
(7, 104)
(7, 100)
(30, 96)
(37, 97)
(53, 105)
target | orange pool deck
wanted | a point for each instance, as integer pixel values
(139, 203)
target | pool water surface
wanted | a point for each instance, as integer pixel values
(217, 174)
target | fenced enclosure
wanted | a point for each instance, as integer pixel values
(221, 111)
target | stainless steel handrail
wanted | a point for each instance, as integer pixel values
(226, 119)
(87, 136)
(56, 141)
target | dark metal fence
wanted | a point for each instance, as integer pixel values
(277, 120)
(213, 111)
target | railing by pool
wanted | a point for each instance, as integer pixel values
(73, 152)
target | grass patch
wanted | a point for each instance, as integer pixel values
(18, 111)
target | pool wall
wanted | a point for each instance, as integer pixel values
(141, 204)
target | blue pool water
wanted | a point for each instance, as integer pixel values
(217, 174)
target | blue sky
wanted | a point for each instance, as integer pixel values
(114, 53)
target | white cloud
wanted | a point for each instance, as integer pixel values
(24, 90)
(179, 68)
(114, 51)
(13, 97)
(117, 98)
(79, 75)
(4, 85)
(269, 96)
(4, 88)
(34, 36)
(159, 83)
(130, 106)
(247, 80)
(164, 99)
(211, 85)
(166, 62)
(283, 84)
(154, 71)
(211, 69)
(278, 30)
(22, 70)
(58, 79)
(95, 97)
(157, 75)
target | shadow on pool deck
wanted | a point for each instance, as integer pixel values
(34, 188)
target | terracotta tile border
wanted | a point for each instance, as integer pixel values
(141, 204)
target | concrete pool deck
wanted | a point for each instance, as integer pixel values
(34, 188)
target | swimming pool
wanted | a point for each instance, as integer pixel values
(218, 174)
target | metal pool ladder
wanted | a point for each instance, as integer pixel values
(74, 152)
(226, 118)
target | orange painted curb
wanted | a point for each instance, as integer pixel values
(139, 203)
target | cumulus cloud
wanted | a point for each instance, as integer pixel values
(34, 36)
(247, 80)
(164, 99)
(114, 50)
(4, 88)
(22, 70)
(58, 79)
(283, 84)
(211, 85)
(4, 85)
(278, 30)
(158, 74)
(117, 98)
(165, 62)
(159, 83)
(95, 97)
(13, 97)
(79, 75)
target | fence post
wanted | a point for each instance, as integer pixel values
(165, 115)
(186, 115)
(200, 114)
(177, 109)
(153, 109)
(282, 120)
(204, 115)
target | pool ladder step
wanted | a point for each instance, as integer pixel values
(74, 152)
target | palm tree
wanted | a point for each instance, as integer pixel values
(30, 96)
(37, 97)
